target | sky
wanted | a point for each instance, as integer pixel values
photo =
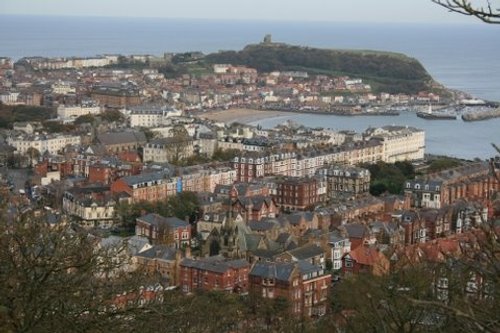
(295, 10)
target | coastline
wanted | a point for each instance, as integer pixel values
(241, 115)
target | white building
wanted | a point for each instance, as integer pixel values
(400, 143)
(340, 245)
(43, 143)
(151, 117)
(168, 149)
(62, 88)
(73, 112)
(9, 98)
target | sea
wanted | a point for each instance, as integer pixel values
(460, 56)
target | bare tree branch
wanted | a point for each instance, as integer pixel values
(486, 12)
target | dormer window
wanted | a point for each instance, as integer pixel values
(408, 185)
(417, 186)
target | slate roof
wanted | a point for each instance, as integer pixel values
(266, 254)
(261, 225)
(273, 270)
(162, 252)
(306, 252)
(115, 138)
(156, 220)
(355, 230)
(215, 264)
(256, 201)
(136, 243)
(144, 178)
(252, 241)
(306, 267)
(295, 218)
(283, 237)
(335, 237)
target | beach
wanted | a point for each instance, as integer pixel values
(241, 115)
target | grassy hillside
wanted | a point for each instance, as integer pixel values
(389, 72)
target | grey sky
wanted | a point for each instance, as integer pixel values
(308, 10)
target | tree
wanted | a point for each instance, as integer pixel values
(179, 141)
(84, 119)
(112, 116)
(34, 154)
(55, 279)
(483, 10)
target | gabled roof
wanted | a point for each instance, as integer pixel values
(355, 230)
(157, 220)
(144, 178)
(121, 137)
(162, 252)
(307, 251)
(215, 264)
(261, 225)
(283, 238)
(252, 241)
(366, 255)
(306, 267)
(273, 270)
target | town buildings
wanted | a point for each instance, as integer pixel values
(116, 95)
(169, 149)
(214, 273)
(473, 181)
(164, 230)
(68, 113)
(304, 285)
(151, 116)
(345, 182)
(298, 193)
(92, 206)
(51, 143)
(400, 143)
(116, 142)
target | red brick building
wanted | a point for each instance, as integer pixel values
(304, 285)
(255, 208)
(469, 182)
(295, 193)
(164, 230)
(99, 173)
(214, 273)
(249, 168)
(145, 187)
(48, 165)
(163, 260)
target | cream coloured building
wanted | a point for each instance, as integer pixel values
(73, 112)
(92, 206)
(151, 117)
(400, 143)
(43, 143)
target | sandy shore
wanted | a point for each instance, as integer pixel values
(243, 116)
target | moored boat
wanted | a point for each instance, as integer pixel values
(432, 115)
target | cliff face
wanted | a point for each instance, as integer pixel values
(388, 72)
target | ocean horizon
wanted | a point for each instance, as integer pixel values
(460, 56)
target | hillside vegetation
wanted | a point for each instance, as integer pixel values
(388, 72)
(9, 114)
